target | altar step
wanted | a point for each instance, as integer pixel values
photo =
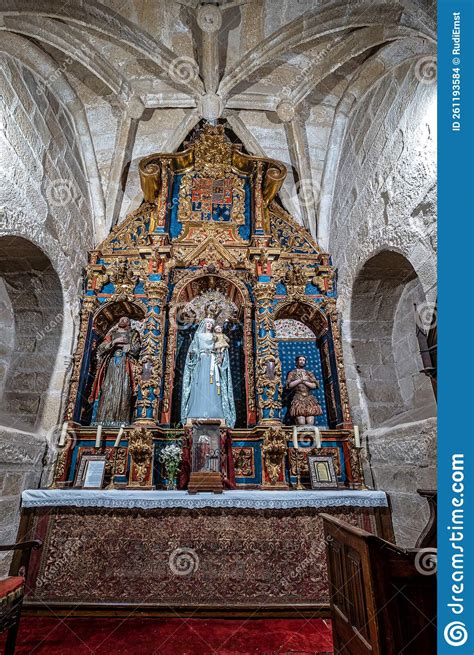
(119, 636)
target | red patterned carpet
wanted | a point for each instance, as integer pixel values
(116, 636)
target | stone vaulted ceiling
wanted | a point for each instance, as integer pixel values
(136, 76)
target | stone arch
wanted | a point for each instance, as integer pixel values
(331, 19)
(372, 71)
(305, 312)
(386, 380)
(7, 333)
(51, 79)
(36, 298)
(105, 21)
(65, 39)
(310, 315)
(107, 314)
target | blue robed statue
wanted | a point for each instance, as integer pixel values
(207, 381)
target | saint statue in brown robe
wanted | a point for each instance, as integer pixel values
(114, 384)
(304, 406)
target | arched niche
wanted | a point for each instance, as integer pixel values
(302, 328)
(32, 314)
(103, 318)
(385, 351)
(108, 314)
(182, 323)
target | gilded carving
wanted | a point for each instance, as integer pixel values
(159, 269)
(244, 464)
(301, 455)
(273, 451)
(140, 448)
(123, 276)
(268, 385)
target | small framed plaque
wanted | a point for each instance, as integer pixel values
(90, 474)
(322, 472)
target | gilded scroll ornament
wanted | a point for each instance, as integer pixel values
(274, 450)
(140, 448)
(268, 384)
(123, 276)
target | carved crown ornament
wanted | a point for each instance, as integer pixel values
(210, 154)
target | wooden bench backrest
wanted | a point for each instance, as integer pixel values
(380, 603)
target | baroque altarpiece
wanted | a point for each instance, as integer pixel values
(210, 240)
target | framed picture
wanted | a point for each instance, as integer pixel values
(322, 472)
(91, 471)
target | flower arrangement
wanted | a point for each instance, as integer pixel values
(171, 456)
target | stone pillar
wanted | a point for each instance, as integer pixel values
(151, 359)
(268, 363)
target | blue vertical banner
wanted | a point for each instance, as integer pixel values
(456, 309)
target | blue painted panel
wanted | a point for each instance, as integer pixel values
(244, 230)
(288, 351)
(175, 227)
(257, 456)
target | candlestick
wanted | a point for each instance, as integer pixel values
(317, 435)
(62, 438)
(119, 436)
(98, 436)
(356, 436)
(295, 437)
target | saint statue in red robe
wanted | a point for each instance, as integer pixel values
(114, 385)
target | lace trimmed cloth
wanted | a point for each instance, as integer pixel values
(245, 499)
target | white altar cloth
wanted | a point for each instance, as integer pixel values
(245, 499)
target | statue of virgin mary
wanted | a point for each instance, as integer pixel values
(207, 381)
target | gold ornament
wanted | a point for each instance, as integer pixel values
(273, 450)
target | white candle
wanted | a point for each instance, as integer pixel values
(62, 438)
(295, 437)
(317, 434)
(98, 436)
(356, 436)
(119, 436)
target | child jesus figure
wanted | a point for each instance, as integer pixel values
(221, 343)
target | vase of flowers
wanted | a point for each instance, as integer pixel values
(171, 456)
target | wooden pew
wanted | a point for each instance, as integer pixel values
(381, 604)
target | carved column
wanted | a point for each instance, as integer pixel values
(268, 363)
(88, 306)
(151, 358)
(334, 318)
(159, 219)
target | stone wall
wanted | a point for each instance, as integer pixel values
(45, 232)
(383, 242)
(43, 187)
(35, 293)
(21, 464)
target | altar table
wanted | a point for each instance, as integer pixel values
(240, 551)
